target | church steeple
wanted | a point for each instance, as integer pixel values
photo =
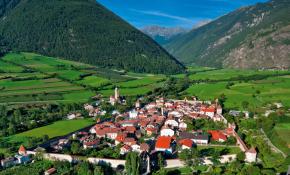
(117, 93)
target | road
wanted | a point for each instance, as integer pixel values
(272, 145)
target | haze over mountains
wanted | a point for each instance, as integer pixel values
(255, 37)
(163, 35)
(81, 30)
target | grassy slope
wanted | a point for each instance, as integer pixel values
(72, 81)
(201, 46)
(58, 128)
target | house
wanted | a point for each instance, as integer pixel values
(219, 110)
(125, 149)
(91, 143)
(136, 148)
(163, 144)
(209, 111)
(129, 141)
(217, 136)
(22, 150)
(130, 129)
(251, 155)
(8, 162)
(197, 137)
(186, 143)
(21, 159)
(100, 133)
(120, 138)
(50, 171)
(171, 122)
(111, 132)
(151, 131)
(166, 132)
(133, 114)
(182, 126)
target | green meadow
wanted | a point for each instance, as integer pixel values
(55, 129)
(256, 92)
(280, 138)
(28, 78)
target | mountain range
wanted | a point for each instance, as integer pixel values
(254, 37)
(84, 31)
(163, 35)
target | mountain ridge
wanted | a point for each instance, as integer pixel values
(85, 31)
(253, 37)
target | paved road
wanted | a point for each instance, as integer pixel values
(271, 144)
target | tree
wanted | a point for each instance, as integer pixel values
(241, 156)
(245, 104)
(75, 147)
(161, 161)
(99, 171)
(132, 163)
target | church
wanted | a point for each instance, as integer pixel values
(116, 98)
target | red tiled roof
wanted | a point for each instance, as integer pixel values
(100, 132)
(22, 149)
(217, 135)
(130, 128)
(186, 142)
(121, 137)
(163, 142)
(252, 150)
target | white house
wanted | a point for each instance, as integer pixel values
(171, 122)
(133, 114)
(182, 126)
(136, 148)
(175, 114)
(251, 155)
(167, 132)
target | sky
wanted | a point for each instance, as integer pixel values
(173, 13)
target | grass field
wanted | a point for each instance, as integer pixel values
(257, 93)
(8, 67)
(58, 128)
(94, 81)
(31, 78)
(281, 137)
(232, 150)
(224, 74)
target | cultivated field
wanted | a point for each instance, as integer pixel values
(58, 128)
(256, 92)
(281, 137)
(27, 78)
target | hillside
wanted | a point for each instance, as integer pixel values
(163, 35)
(83, 30)
(251, 37)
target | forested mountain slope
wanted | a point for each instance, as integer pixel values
(85, 31)
(251, 37)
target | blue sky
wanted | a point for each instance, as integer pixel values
(172, 13)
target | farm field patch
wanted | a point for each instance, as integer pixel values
(56, 129)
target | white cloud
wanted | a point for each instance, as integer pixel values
(161, 14)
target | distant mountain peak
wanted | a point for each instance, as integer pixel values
(163, 34)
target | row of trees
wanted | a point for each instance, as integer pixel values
(25, 118)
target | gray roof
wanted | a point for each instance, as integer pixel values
(195, 136)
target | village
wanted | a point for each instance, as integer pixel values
(158, 127)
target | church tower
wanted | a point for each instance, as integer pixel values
(117, 93)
